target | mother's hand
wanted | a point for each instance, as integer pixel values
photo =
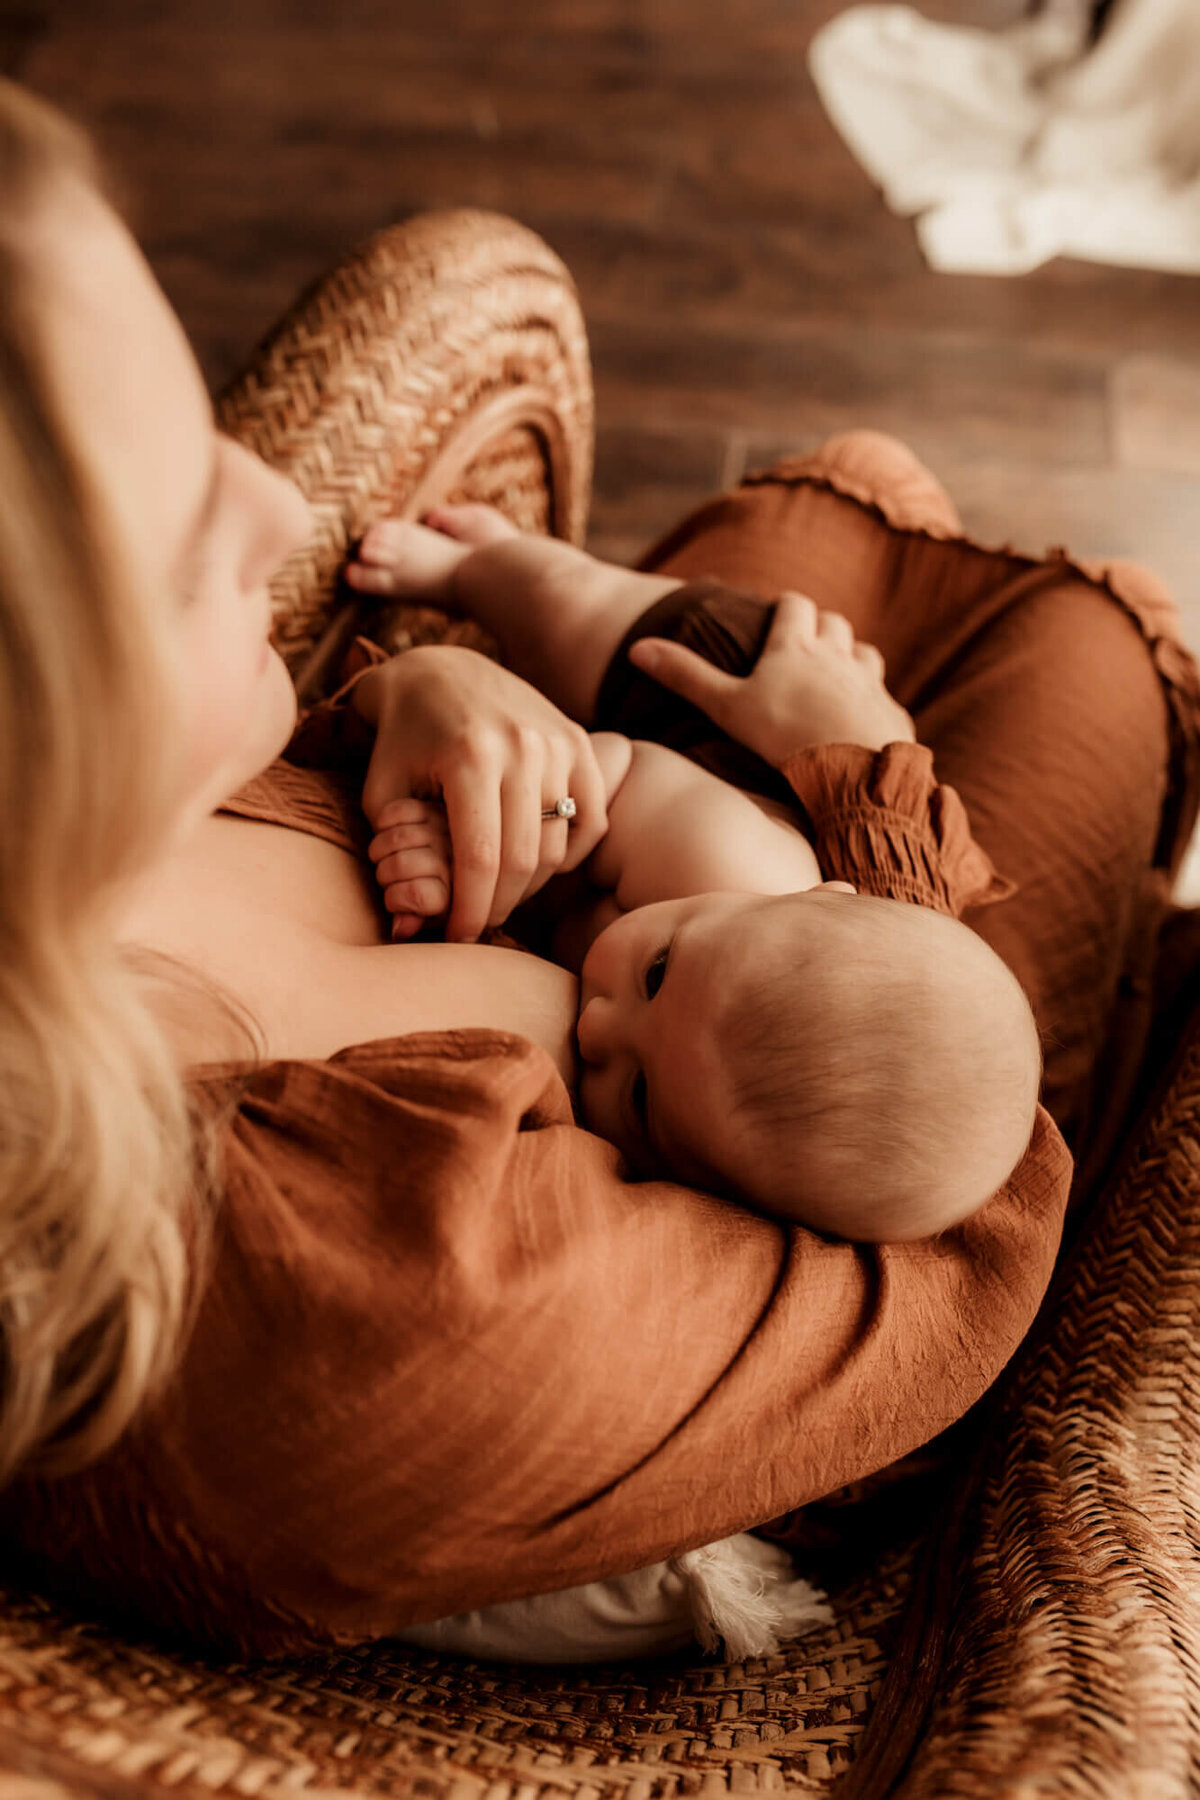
(453, 724)
(812, 684)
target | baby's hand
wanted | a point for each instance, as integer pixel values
(812, 684)
(411, 853)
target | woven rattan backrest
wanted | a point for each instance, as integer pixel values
(445, 358)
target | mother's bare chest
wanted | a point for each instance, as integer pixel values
(283, 874)
(293, 928)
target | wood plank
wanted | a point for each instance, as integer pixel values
(21, 29)
(646, 480)
(1156, 414)
(745, 286)
(847, 262)
(941, 394)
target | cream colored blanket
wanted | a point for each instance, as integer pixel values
(1012, 147)
(741, 1596)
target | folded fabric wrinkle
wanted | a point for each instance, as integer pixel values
(740, 1596)
(1016, 146)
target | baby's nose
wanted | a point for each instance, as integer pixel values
(593, 1030)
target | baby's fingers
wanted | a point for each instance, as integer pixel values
(409, 865)
(423, 897)
(409, 824)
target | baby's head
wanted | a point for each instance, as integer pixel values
(864, 1066)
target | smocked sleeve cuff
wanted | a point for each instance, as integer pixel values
(880, 819)
(331, 734)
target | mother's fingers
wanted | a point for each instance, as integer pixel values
(521, 852)
(584, 781)
(471, 794)
(494, 791)
(565, 842)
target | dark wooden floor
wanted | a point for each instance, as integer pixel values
(745, 288)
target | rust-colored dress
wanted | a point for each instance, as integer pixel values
(447, 1354)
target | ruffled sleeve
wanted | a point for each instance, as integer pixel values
(880, 819)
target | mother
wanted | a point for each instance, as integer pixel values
(306, 1346)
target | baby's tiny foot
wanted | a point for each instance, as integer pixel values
(471, 523)
(403, 560)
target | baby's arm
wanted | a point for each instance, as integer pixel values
(412, 853)
(674, 830)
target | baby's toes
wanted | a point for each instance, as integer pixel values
(401, 559)
(471, 523)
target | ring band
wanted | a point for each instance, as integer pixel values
(562, 809)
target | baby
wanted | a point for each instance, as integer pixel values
(866, 1067)
(861, 1066)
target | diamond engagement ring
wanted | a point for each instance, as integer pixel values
(562, 809)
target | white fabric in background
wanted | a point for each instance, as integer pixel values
(1020, 145)
(742, 1594)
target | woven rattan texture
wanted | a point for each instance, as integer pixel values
(384, 1721)
(446, 353)
(1074, 1662)
(510, 473)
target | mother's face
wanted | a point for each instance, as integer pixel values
(205, 522)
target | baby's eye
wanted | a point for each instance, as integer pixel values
(655, 971)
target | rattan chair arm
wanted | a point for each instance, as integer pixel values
(1073, 1647)
(390, 374)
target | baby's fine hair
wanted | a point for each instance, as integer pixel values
(885, 1067)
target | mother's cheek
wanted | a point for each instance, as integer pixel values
(286, 703)
(238, 723)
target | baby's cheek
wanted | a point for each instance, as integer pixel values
(595, 1104)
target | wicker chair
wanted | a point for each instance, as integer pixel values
(1041, 1640)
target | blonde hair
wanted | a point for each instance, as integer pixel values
(107, 1164)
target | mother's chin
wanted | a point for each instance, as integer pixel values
(269, 729)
